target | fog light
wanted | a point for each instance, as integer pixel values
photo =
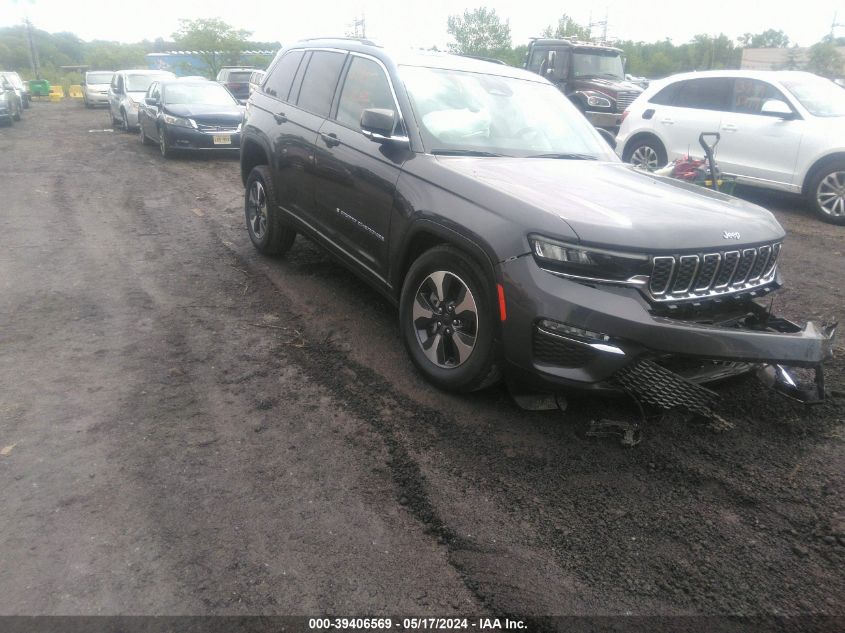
(570, 330)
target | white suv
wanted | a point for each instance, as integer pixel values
(780, 130)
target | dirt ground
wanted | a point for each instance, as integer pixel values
(187, 427)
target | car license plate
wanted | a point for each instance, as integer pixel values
(222, 139)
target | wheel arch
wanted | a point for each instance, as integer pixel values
(639, 136)
(816, 166)
(424, 235)
(253, 154)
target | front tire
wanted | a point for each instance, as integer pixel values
(268, 232)
(647, 153)
(163, 145)
(143, 135)
(826, 192)
(124, 121)
(18, 113)
(447, 320)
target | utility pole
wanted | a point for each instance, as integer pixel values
(359, 27)
(33, 52)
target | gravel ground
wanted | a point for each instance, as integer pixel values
(189, 428)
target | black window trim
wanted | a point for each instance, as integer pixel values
(398, 124)
(269, 72)
(334, 94)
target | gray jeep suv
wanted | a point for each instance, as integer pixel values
(479, 200)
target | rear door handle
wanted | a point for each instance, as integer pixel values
(729, 127)
(330, 139)
(667, 121)
(280, 117)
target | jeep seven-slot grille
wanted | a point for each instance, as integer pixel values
(689, 276)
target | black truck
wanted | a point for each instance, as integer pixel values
(591, 75)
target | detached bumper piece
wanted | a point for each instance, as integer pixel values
(655, 385)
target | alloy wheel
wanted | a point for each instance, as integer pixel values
(830, 194)
(257, 210)
(645, 156)
(445, 319)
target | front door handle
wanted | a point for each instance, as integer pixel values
(729, 127)
(280, 117)
(667, 121)
(330, 139)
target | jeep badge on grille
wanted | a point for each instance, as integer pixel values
(731, 235)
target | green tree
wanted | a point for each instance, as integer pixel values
(217, 43)
(479, 32)
(769, 38)
(567, 27)
(825, 60)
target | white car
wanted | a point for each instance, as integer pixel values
(127, 90)
(781, 130)
(95, 87)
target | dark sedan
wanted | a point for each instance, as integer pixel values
(190, 116)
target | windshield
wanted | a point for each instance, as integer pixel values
(592, 64)
(140, 83)
(14, 79)
(820, 96)
(98, 78)
(206, 93)
(239, 77)
(473, 112)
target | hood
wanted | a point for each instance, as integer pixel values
(613, 204)
(604, 83)
(208, 114)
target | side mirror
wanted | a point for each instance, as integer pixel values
(777, 108)
(377, 123)
(551, 57)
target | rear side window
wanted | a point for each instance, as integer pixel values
(711, 93)
(667, 95)
(281, 77)
(365, 87)
(320, 81)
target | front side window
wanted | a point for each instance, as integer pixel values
(365, 86)
(710, 93)
(281, 77)
(751, 94)
(320, 81)
(468, 111)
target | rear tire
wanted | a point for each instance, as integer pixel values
(26, 103)
(267, 230)
(826, 192)
(18, 113)
(124, 121)
(447, 320)
(647, 152)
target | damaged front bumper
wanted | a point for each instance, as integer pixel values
(568, 334)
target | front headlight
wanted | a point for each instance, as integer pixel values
(179, 121)
(596, 99)
(587, 262)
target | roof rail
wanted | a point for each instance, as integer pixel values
(351, 39)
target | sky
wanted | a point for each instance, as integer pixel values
(422, 23)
